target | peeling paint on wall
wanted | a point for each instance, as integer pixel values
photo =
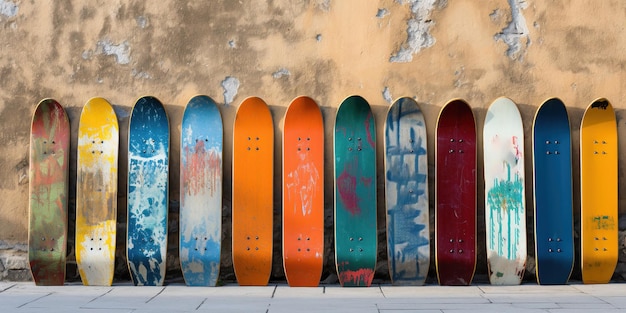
(280, 73)
(517, 30)
(231, 86)
(382, 13)
(418, 31)
(387, 95)
(142, 21)
(8, 8)
(121, 51)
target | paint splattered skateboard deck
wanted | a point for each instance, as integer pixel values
(355, 193)
(201, 192)
(455, 194)
(96, 192)
(303, 193)
(406, 193)
(48, 193)
(253, 173)
(598, 185)
(148, 172)
(505, 206)
(552, 159)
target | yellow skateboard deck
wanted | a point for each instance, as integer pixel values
(253, 175)
(96, 192)
(598, 187)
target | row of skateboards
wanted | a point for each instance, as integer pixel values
(355, 226)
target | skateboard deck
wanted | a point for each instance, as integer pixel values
(355, 193)
(455, 194)
(253, 207)
(552, 159)
(598, 186)
(201, 192)
(303, 193)
(48, 193)
(406, 193)
(148, 160)
(505, 206)
(96, 192)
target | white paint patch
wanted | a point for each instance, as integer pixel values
(8, 8)
(280, 73)
(387, 95)
(418, 31)
(231, 86)
(142, 21)
(121, 51)
(517, 30)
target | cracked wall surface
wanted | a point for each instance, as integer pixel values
(430, 50)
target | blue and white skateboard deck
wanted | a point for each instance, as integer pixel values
(406, 193)
(148, 154)
(201, 192)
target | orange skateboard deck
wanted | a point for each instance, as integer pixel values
(303, 193)
(96, 192)
(48, 176)
(598, 189)
(252, 207)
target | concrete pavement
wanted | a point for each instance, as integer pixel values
(26, 298)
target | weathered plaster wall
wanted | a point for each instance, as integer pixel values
(433, 50)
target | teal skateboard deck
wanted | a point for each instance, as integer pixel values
(148, 172)
(201, 192)
(48, 193)
(505, 205)
(406, 193)
(455, 194)
(552, 159)
(355, 192)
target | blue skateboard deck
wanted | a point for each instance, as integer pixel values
(201, 192)
(505, 205)
(355, 193)
(552, 159)
(148, 155)
(406, 193)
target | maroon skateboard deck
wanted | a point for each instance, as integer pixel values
(455, 194)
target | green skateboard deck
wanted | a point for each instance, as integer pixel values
(48, 176)
(355, 193)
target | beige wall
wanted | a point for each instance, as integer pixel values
(433, 50)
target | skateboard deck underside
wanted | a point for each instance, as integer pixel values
(355, 193)
(253, 161)
(599, 193)
(406, 193)
(303, 193)
(455, 194)
(148, 152)
(48, 192)
(96, 193)
(505, 207)
(201, 192)
(554, 245)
